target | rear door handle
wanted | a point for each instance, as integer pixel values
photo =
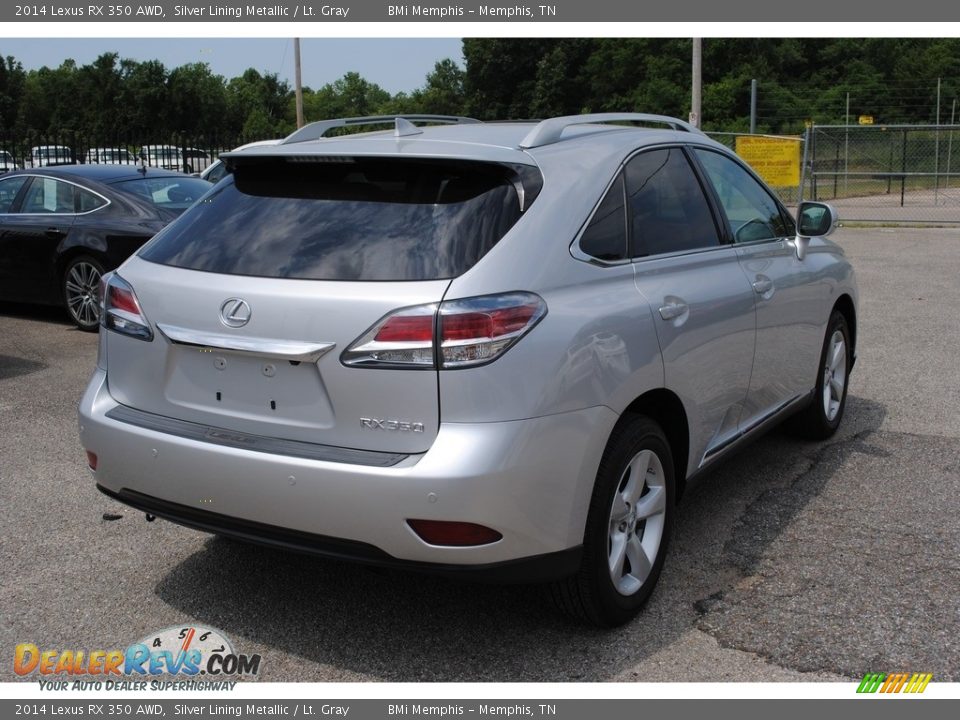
(673, 310)
(54, 232)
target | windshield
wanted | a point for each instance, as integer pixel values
(170, 193)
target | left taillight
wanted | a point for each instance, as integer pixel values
(120, 309)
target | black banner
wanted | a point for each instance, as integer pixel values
(822, 12)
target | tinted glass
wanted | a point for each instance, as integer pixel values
(752, 212)
(668, 210)
(46, 195)
(87, 201)
(216, 173)
(359, 219)
(173, 193)
(8, 191)
(606, 236)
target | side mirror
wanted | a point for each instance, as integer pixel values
(814, 219)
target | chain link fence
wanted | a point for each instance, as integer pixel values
(896, 174)
(886, 173)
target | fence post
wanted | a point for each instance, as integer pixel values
(903, 168)
(836, 171)
(803, 165)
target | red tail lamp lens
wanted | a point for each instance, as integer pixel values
(453, 534)
(489, 324)
(406, 328)
(123, 299)
(92, 460)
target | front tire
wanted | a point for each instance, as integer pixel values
(822, 417)
(80, 286)
(628, 528)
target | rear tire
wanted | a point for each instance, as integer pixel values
(80, 287)
(628, 528)
(822, 417)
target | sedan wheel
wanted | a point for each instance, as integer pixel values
(81, 288)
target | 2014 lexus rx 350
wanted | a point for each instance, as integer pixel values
(491, 349)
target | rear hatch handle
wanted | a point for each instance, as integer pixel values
(260, 347)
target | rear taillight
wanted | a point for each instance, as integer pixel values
(120, 310)
(458, 333)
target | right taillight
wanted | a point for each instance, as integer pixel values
(457, 334)
(120, 309)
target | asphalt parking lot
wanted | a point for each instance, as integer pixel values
(793, 561)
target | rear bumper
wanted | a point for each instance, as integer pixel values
(540, 568)
(530, 480)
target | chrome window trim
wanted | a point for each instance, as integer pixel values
(107, 201)
(578, 254)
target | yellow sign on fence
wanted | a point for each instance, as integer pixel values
(776, 160)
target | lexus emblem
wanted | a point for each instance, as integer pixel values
(235, 312)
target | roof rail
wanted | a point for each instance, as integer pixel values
(316, 130)
(549, 131)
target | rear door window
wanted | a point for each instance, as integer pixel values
(349, 219)
(668, 210)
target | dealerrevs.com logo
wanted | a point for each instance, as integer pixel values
(184, 651)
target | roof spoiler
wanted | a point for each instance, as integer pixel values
(549, 131)
(403, 125)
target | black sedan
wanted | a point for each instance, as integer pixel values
(61, 228)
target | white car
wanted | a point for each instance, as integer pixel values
(7, 163)
(215, 172)
(47, 155)
(109, 156)
(167, 157)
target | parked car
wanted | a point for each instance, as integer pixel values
(7, 163)
(110, 156)
(498, 350)
(215, 172)
(62, 228)
(167, 157)
(195, 160)
(49, 155)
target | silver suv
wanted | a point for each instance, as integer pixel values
(501, 350)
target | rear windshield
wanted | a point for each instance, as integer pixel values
(354, 219)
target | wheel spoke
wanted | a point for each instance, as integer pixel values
(74, 287)
(653, 503)
(640, 564)
(618, 553)
(836, 388)
(837, 354)
(637, 470)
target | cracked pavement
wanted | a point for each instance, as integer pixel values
(791, 561)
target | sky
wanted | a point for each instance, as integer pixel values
(394, 64)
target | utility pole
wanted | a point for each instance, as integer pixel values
(696, 84)
(753, 106)
(298, 90)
